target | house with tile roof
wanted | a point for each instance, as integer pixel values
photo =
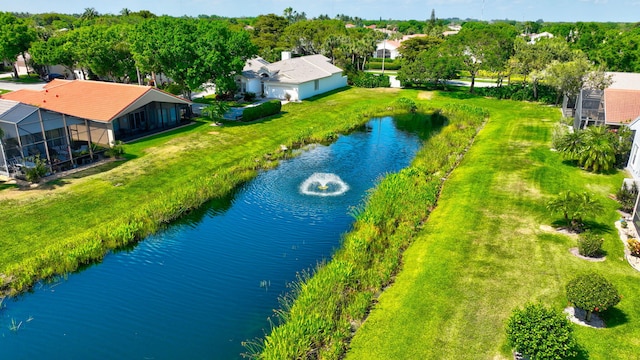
(617, 105)
(291, 78)
(69, 117)
(390, 49)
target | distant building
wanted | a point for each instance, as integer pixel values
(617, 105)
(533, 38)
(389, 49)
(291, 78)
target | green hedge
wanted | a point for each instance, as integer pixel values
(376, 64)
(268, 108)
(369, 80)
(520, 92)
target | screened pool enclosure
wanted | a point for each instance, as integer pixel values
(30, 132)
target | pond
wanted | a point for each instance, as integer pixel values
(210, 281)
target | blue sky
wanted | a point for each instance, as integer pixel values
(548, 10)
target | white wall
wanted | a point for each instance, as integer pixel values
(279, 91)
(634, 159)
(333, 82)
(254, 86)
(393, 51)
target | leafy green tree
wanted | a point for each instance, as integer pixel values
(105, 51)
(15, 38)
(530, 60)
(413, 47)
(567, 77)
(307, 37)
(541, 333)
(59, 49)
(620, 51)
(482, 46)
(191, 52)
(435, 66)
(591, 292)
(574, 207)
(267, 30)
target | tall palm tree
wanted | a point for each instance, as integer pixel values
(89, 13)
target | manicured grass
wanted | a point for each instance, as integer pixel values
(483, 252)
(24, 79)
(77, 219)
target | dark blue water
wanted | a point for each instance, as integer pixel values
(209, 282)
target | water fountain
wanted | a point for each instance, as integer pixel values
(323, 184)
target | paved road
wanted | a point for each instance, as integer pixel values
(7, 84)
(468, 83)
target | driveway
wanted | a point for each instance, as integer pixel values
(7, 84)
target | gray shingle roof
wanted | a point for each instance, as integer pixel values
(292, 71)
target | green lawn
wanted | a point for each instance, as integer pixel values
(484, 252)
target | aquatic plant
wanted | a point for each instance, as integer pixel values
(325, 306)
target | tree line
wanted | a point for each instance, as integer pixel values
(211, 49)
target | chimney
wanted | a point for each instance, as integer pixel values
(286, 55)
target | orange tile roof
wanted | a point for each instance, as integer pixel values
(94, 100)
(621, 106)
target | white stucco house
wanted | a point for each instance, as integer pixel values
(291, 78)
(388, 49)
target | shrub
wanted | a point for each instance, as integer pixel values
(592, 292)
(369, 80)
(35, 173)
(408, 104)
(268, 108)
(590, 244)
(634, 246)
(541, 333)
(627, 196)
(559, 132)
(249, 96)
(116, 150)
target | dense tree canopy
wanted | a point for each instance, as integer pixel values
(191, 51)
(483, 46)
(267, 30)
(15, 37)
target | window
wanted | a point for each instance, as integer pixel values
(316, 85)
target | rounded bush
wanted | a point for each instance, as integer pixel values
(590, 244)
(592, 292)
(541, 333)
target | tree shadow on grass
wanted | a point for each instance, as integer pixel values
(614, 317)
(596, 227)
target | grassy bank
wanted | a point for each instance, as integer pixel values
(487, 249)
(76, 220)
(319, 315)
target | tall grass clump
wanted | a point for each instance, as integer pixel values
(320, 315)
(93, 244)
